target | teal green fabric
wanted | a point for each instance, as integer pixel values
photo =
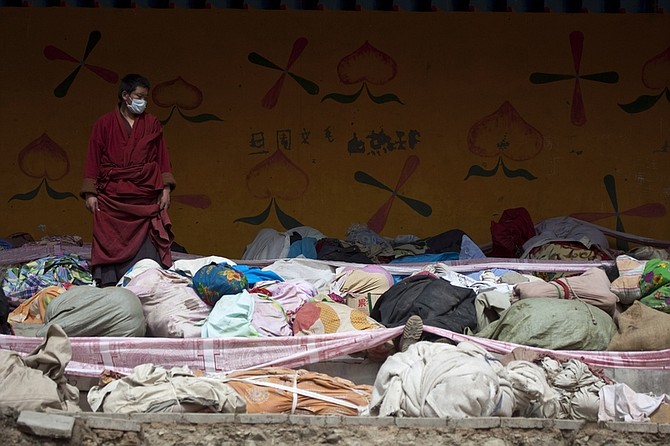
(231, 317)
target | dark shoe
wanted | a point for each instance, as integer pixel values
(411, 333)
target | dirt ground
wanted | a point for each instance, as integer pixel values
(230, 434)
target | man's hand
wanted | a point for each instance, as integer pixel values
(92, 203)
(164, 200)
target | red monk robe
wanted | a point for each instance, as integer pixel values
(127, 168)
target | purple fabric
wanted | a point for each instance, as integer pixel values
(292, 295)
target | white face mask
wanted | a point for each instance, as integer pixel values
(137, 106)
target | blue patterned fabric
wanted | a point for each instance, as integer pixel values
(21, 282)
(213, 281)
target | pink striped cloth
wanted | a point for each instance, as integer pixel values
(642, 360)
(90, 356)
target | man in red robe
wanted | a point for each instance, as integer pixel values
(127, 185)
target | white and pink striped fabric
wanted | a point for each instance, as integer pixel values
(90, 356)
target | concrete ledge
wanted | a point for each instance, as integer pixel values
(45, 424)
(315, 420)
(526, 423)
(641, 427)
(116, 416)
(114, 424)
(474, 423)
(209, 418)
(569, 425)
(156, 417)
(262, 418)
(57, 425)
(430, 423)
(368, 421)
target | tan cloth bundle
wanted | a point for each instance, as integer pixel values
(641, 328)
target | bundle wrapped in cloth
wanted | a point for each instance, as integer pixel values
(592, 287)
(283, 390)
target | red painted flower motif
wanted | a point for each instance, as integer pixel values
(277, 177)
(369, 64)
(177, 92)
(43, 158)
(506, 133)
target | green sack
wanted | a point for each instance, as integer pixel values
(554, 324)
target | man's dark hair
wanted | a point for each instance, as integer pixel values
(130, 82)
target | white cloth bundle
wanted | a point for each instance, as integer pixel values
(442, 380)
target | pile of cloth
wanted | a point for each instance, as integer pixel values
(360, 245)
(463, 381)
(151, 388)
(429, 379)
(216, 297)
(619, 303)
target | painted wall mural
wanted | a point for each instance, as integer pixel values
(380, 143)
(275, 178)
(52, 52)
(578, 110)
(504, 134)
(654, 77)
(378, 220)
(272, 96)
(180, 95)
(647, 210)
(366, 65)
(327, 119)
(44, 160)
(177, 94)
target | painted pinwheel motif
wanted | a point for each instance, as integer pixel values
(53, 53)
(366, 66)
(180, 95)
(44, 160)
(275, 178)
(655, 76)
(647, 210)
(504, 134)
(379, 219)
(577, 110)
(272, 96)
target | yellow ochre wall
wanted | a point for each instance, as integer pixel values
(415, 123)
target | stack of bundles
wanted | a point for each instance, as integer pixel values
(461, 381)
(150, 388)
